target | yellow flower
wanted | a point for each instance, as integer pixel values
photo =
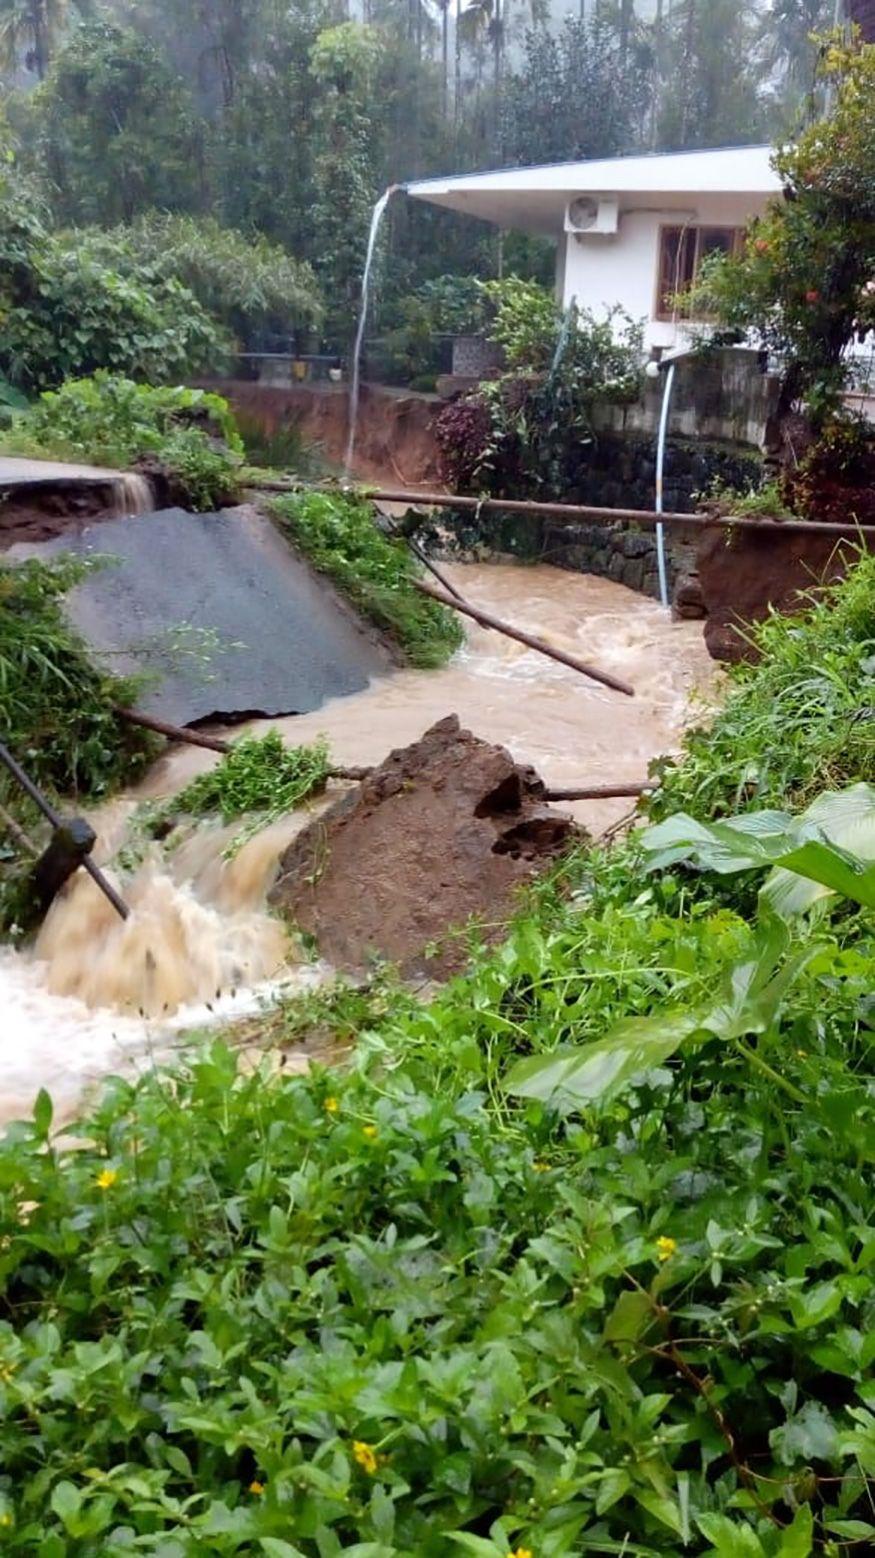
(366, 1456)
(256, 1487)
(331, 1106)
(370, 1131)
(522, 1552)
(540, 1168)
(106, 1179)
(5, 1521)
(665, 1247)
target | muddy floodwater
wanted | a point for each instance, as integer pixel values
(97, 995)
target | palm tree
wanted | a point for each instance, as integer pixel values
(30, 30)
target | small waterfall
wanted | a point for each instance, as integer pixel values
(376, 218)
(133, 494)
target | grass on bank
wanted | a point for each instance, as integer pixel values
(389, 1311)
(339, 538)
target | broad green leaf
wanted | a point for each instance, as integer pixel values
(602, 1069)
(662, 1509)
(66, 1501)
(475, 1544)
(613, 1485)
(730, 1538)
(831, 846)
(630, 1317)
(797, 1539)
(275, 1548)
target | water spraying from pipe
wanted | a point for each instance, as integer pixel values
(376, 218)
(569, 320)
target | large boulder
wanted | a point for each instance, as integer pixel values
(444, 831)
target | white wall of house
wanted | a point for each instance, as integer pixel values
(601, 272)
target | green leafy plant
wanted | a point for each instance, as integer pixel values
(114, 421)
(767, 499)
(259, 774)
(339, 537)
(793, 724)
(803, 280)
(538, 419)
(831, 844)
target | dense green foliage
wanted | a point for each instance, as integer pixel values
(113, 421)
(528, 432)
(340, 538)
(797, 721)
(56, 709)
(804, 280)
(66, 312)
(249, 284)
(116, 127)
(390, 1310)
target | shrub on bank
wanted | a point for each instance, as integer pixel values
(106, 420)
(338, 535)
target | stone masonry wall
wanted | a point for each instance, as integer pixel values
(621, 473)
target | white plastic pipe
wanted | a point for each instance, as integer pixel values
(660, 467)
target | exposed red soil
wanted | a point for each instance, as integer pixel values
(33, 514)
(444, 830)
(394, 441)
(745, 573)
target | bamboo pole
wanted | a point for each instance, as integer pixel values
(196, 738)
(486, 620)
(599, 792)
(571, 513)
(193, 738)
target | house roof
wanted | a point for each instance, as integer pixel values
(533, 199)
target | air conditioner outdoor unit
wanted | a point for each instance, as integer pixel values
(592, 215)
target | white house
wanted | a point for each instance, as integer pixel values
(629, 230)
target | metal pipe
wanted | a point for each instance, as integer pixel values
(57, 821)
(660, 468)
(572, 512)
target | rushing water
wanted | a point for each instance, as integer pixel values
(376, 218)
(99, 995)
(134, 494)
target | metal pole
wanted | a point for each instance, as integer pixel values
(57, 821)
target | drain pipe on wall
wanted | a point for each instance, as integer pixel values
(666, 364)
(667, 388)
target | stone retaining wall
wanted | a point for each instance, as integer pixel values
(619, 552)
(622, 474)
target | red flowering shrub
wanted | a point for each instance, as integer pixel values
(463, 429)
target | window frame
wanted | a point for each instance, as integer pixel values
(662, 314)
